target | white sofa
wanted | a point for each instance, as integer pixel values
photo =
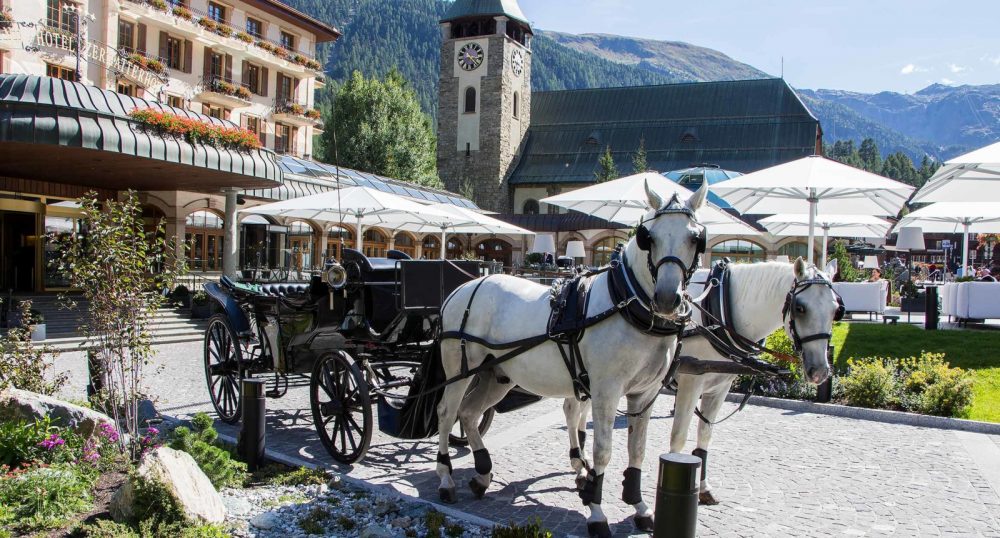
(863, 296)
(971, 300)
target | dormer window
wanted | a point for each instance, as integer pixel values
(690, 136)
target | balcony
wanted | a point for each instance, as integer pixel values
(222, 91)
(298, 114)
(194, 23)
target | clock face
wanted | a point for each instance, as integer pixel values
(470, 56)
(517, 62)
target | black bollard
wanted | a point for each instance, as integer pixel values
(252, 430)
(931, 308)
(677, 496)
(824, 391)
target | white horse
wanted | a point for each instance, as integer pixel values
(500, 309)
(757, 294)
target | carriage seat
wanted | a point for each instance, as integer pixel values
(285, 289)
(393, 254)
(373, 270)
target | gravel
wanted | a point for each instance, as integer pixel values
(341, 510)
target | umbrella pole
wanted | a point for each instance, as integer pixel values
(444, 241)
(965, 248)
(826, 235)
(361, 236)
(812, 225)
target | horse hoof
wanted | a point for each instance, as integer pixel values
(599, 529)
(643, 523)
(581, 482)
(706, 498)
(447, 495)
(478, 490)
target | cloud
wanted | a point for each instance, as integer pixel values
(957, 68)
(909, 69)
(947, 81)
(995, 60)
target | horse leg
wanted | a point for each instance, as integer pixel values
(641, 407)
(688, 392)
(575, 409)
(447, 414)
(486, 394)
(711, 404)
(604, 406)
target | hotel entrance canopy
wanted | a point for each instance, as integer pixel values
(67, 132)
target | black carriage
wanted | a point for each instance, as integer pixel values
(363, 333)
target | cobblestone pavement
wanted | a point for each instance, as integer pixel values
(778, 473)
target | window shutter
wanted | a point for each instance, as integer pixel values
(229, 68)
(207, 69)
(263, 82)
(225, 113)
(205, 109)
(140, 38)
(292, 140)
(243, 119)
(244, 72)
(262, 134)
(163, 44)
(188, 64)
(295, 90)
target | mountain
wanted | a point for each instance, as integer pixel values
(944, 120)
(675, 60)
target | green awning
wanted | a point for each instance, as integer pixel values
(67, 132)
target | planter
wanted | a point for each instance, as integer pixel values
(201, 311)
(183, 300)
(907, 304)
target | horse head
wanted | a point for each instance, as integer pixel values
(811, 308)
(673, 240)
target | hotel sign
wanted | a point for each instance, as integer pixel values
(99, 53)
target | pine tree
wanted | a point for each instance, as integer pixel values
(639, 164)
(606, 170)
(871, 158)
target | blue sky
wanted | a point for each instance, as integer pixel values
(860, 45)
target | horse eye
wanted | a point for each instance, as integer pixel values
(800, 309)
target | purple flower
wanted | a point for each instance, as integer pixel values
(52, 442)
(153, 431)
(108, 432)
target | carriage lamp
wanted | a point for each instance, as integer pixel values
(574, 249)
(544, 243)
(871, 262)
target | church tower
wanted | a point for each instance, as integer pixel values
(484, 99)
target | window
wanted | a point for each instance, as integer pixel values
(470, 100)
(285, 88)
(794, 250)
(287, 40)
(552, 209)
(530, 207)
(217, 111)
(516, 97)
(251, 78)
(739, 251)
(204, 237)
(126, 35)
(175, 101)
(56, 16)
(216, 12)
(175, 51)
(56, 71)
(603, 249)
(127, 88)
(282, 138)
(253, 124)
(255, 27)
(218, 64)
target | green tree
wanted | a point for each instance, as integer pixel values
(606, 169)
(927, 169)
(639, 163)
(898, 166)
(871, 158)
(377, 126)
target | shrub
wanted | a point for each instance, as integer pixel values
(183, 12)
(43, 497)
(154, 65)
(243, 93)
(23, 364)
(792, 386)
(201, 442)
(153, 504)
(302, 476)
(313, 64)
(224, 29)
(199, 298)
(931, 387)
(208, 24)
(106, 528)
(314, 522)
(532, 529)
(244, 37)
(21, 442)
(159, 4)
(870, 383)
(313, 114)
(300, 59)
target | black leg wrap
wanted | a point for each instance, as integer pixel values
(582, 436)
(483, 462)
(574, 454)
(593, 490)
(703, 454)
(599, 529)
(631, 490)
(445, 459)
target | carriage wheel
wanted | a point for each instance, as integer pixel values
(341, 407)
(457, 436)
(223, 371)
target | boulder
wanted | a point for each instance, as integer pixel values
(20, 404)
(182, 477)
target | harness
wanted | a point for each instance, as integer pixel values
(787, 311)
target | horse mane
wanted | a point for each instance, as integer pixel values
(770, 282)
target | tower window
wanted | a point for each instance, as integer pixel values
(530, 207)
(470, 100)
(516, 103)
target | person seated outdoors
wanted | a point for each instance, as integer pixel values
(986, 276)
(875, 276)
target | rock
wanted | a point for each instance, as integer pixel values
(147, 413)
(266, 521)
(385, 506)
(182, 477)
(335, 483)
(402, 522)
(20, 404)
(375, 531)
(237, 506)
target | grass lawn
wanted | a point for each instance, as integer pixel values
(974, 350)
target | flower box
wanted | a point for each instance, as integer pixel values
(244, 37)
(208, 24)
(183, 12)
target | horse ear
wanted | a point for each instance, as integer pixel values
(697, 200)
(654, 200)
(831, 267)
(800, 268)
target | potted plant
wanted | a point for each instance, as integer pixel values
(183, 12)
(6, 19)
(243, 93)
(244, 37)
(224, 30)
(201, 308)
(182, 296)
(159, 4)
(207, 23)
(911, 300)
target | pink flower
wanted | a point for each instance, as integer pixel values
(52, 442)
(108, 432)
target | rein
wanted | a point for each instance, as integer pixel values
(788, 311)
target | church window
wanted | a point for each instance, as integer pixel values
(530, 207)
(470, 100)
(516, 98)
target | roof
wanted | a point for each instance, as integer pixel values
(461, 9)
(738, 125)
(562, 222)
(693, 177)
(49, 126)
(323, 31)
(303, 177)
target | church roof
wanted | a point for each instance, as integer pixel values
(461, 9)
(738, 125)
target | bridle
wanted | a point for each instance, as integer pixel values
(644, 240)
(788, 312)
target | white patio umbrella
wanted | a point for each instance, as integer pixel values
(459, 220)
(802, 186)
(367, 206)
(956, 217)
(623, 200)
(797, 224)
(969, 177)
